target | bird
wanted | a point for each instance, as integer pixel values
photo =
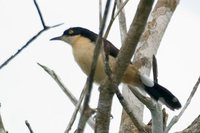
(83, 42)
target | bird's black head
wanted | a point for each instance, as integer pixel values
(81, 31)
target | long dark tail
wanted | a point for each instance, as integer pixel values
(159, 93)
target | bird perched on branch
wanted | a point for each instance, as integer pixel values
(83, 44)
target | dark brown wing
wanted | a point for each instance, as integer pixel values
(110, 49)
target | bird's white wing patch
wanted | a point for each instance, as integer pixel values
(146, 81)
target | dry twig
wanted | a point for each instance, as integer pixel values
(93, 68)
(2, 129)
(45, 28)
(139, 124)
(71, 97)
(123, 59)
(175, 119)
(29, 126)
(114, 15)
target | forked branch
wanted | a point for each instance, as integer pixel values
(76, 102)
(45, 28)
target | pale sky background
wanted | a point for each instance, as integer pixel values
(28, 93)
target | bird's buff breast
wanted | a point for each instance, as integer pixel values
(83, 55)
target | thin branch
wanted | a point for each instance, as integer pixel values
(123, 59)
(97, 51)
(69, 95)
(83, 93)
(93, 65)
(40, 14)
(100, 12)
(108, 70)
(114, 16)
(59, 82)
(20, 50)
(153, 106)
(87, 113)
(140, 125)
(122, 19)
(126, 122)
(111, 20)
(132, 38)
(2, 129)
(31, 39)
(193, 127)
(29, 126)
(177, 117)
(150, 104)
(105, 57)
(120, 9)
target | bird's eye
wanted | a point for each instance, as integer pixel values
(71, 32)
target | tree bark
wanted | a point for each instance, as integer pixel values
(124, 56)
(194, 127)
(147, 47)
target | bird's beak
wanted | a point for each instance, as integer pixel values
(56, 38)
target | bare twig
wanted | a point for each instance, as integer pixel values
(120, 8)
(29, 126)
(150, 104)
(40, 14)
(132, 38)
(123, 31)
(105, 57)
(154, 107)
(97, 51)
(111, 20)
(93, 66)
(59, 82)
(87, 113)
(100, 12)
(114, 16)
(19, 50)
(2, 129)
(69, 95)
(83, 93)
(175, 119)
(122, 19)
(193, 127)
(31, 39)
(123, 59)
(139, 124)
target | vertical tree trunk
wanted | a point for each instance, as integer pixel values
(147, 47)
